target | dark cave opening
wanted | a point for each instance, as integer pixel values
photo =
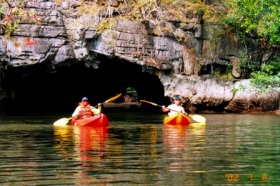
(37, 89)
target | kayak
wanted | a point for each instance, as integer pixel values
(178, 119)
(99, 120)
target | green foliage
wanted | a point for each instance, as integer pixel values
(131, 91)
(224, 76)
(3, 8)
(256, 16)
(105, 24)
(14, 15)
(248, 66)
(161, 14)
(272, 68)
(239, 88)
(21, 1)
(89, 9)
(10, 28)
(259, 19)
(268, 78)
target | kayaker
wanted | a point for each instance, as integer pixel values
(85, 110)
(174, 108)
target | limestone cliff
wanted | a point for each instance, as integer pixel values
(180, 50)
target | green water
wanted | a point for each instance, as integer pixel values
(137, 149)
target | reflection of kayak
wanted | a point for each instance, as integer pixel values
(178, 119)
(91, 142)
(197, 124)
(99, 120)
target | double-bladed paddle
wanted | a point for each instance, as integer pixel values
(196, 118)
(62, 121)
(65, 121)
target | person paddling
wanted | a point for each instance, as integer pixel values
(174, 108)
(85, 110)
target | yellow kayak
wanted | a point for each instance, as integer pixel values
(178, 119)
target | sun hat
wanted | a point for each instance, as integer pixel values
(177, 98)
(85, 99)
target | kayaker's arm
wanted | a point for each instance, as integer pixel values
(97, 110)
(164, 109)
(76, 112)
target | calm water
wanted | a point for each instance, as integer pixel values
(136, 149)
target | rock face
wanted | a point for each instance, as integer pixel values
(181, 58)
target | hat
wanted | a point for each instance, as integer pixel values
(177, 98)
(85, 99)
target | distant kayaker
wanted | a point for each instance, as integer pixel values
(85, 110)
(174, 108)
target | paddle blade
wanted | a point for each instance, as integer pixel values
(113, 98)
(198, 118)
(149, 102)
(61, 122)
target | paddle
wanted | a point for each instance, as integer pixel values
(111, 99)
(65, 121)
(196, 118)
(62, 122)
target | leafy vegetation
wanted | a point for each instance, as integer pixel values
(257, 20)
(131, 91)
(223, 76)
(160, 14)
(256, 17)
(268, 78)
(12, 16)
(131, 95)
(264, 80)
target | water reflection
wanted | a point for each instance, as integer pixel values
(174, 139)
(91, 142)
(64, 139)
(230, 149)
(89, 145)
(182, 144)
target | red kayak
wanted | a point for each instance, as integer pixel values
(99, 120)
(178, 119)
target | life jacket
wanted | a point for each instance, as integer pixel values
(175, 109)
(85, 111)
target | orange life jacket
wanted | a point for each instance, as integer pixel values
(85, 111)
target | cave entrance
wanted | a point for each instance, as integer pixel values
(41, 89)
